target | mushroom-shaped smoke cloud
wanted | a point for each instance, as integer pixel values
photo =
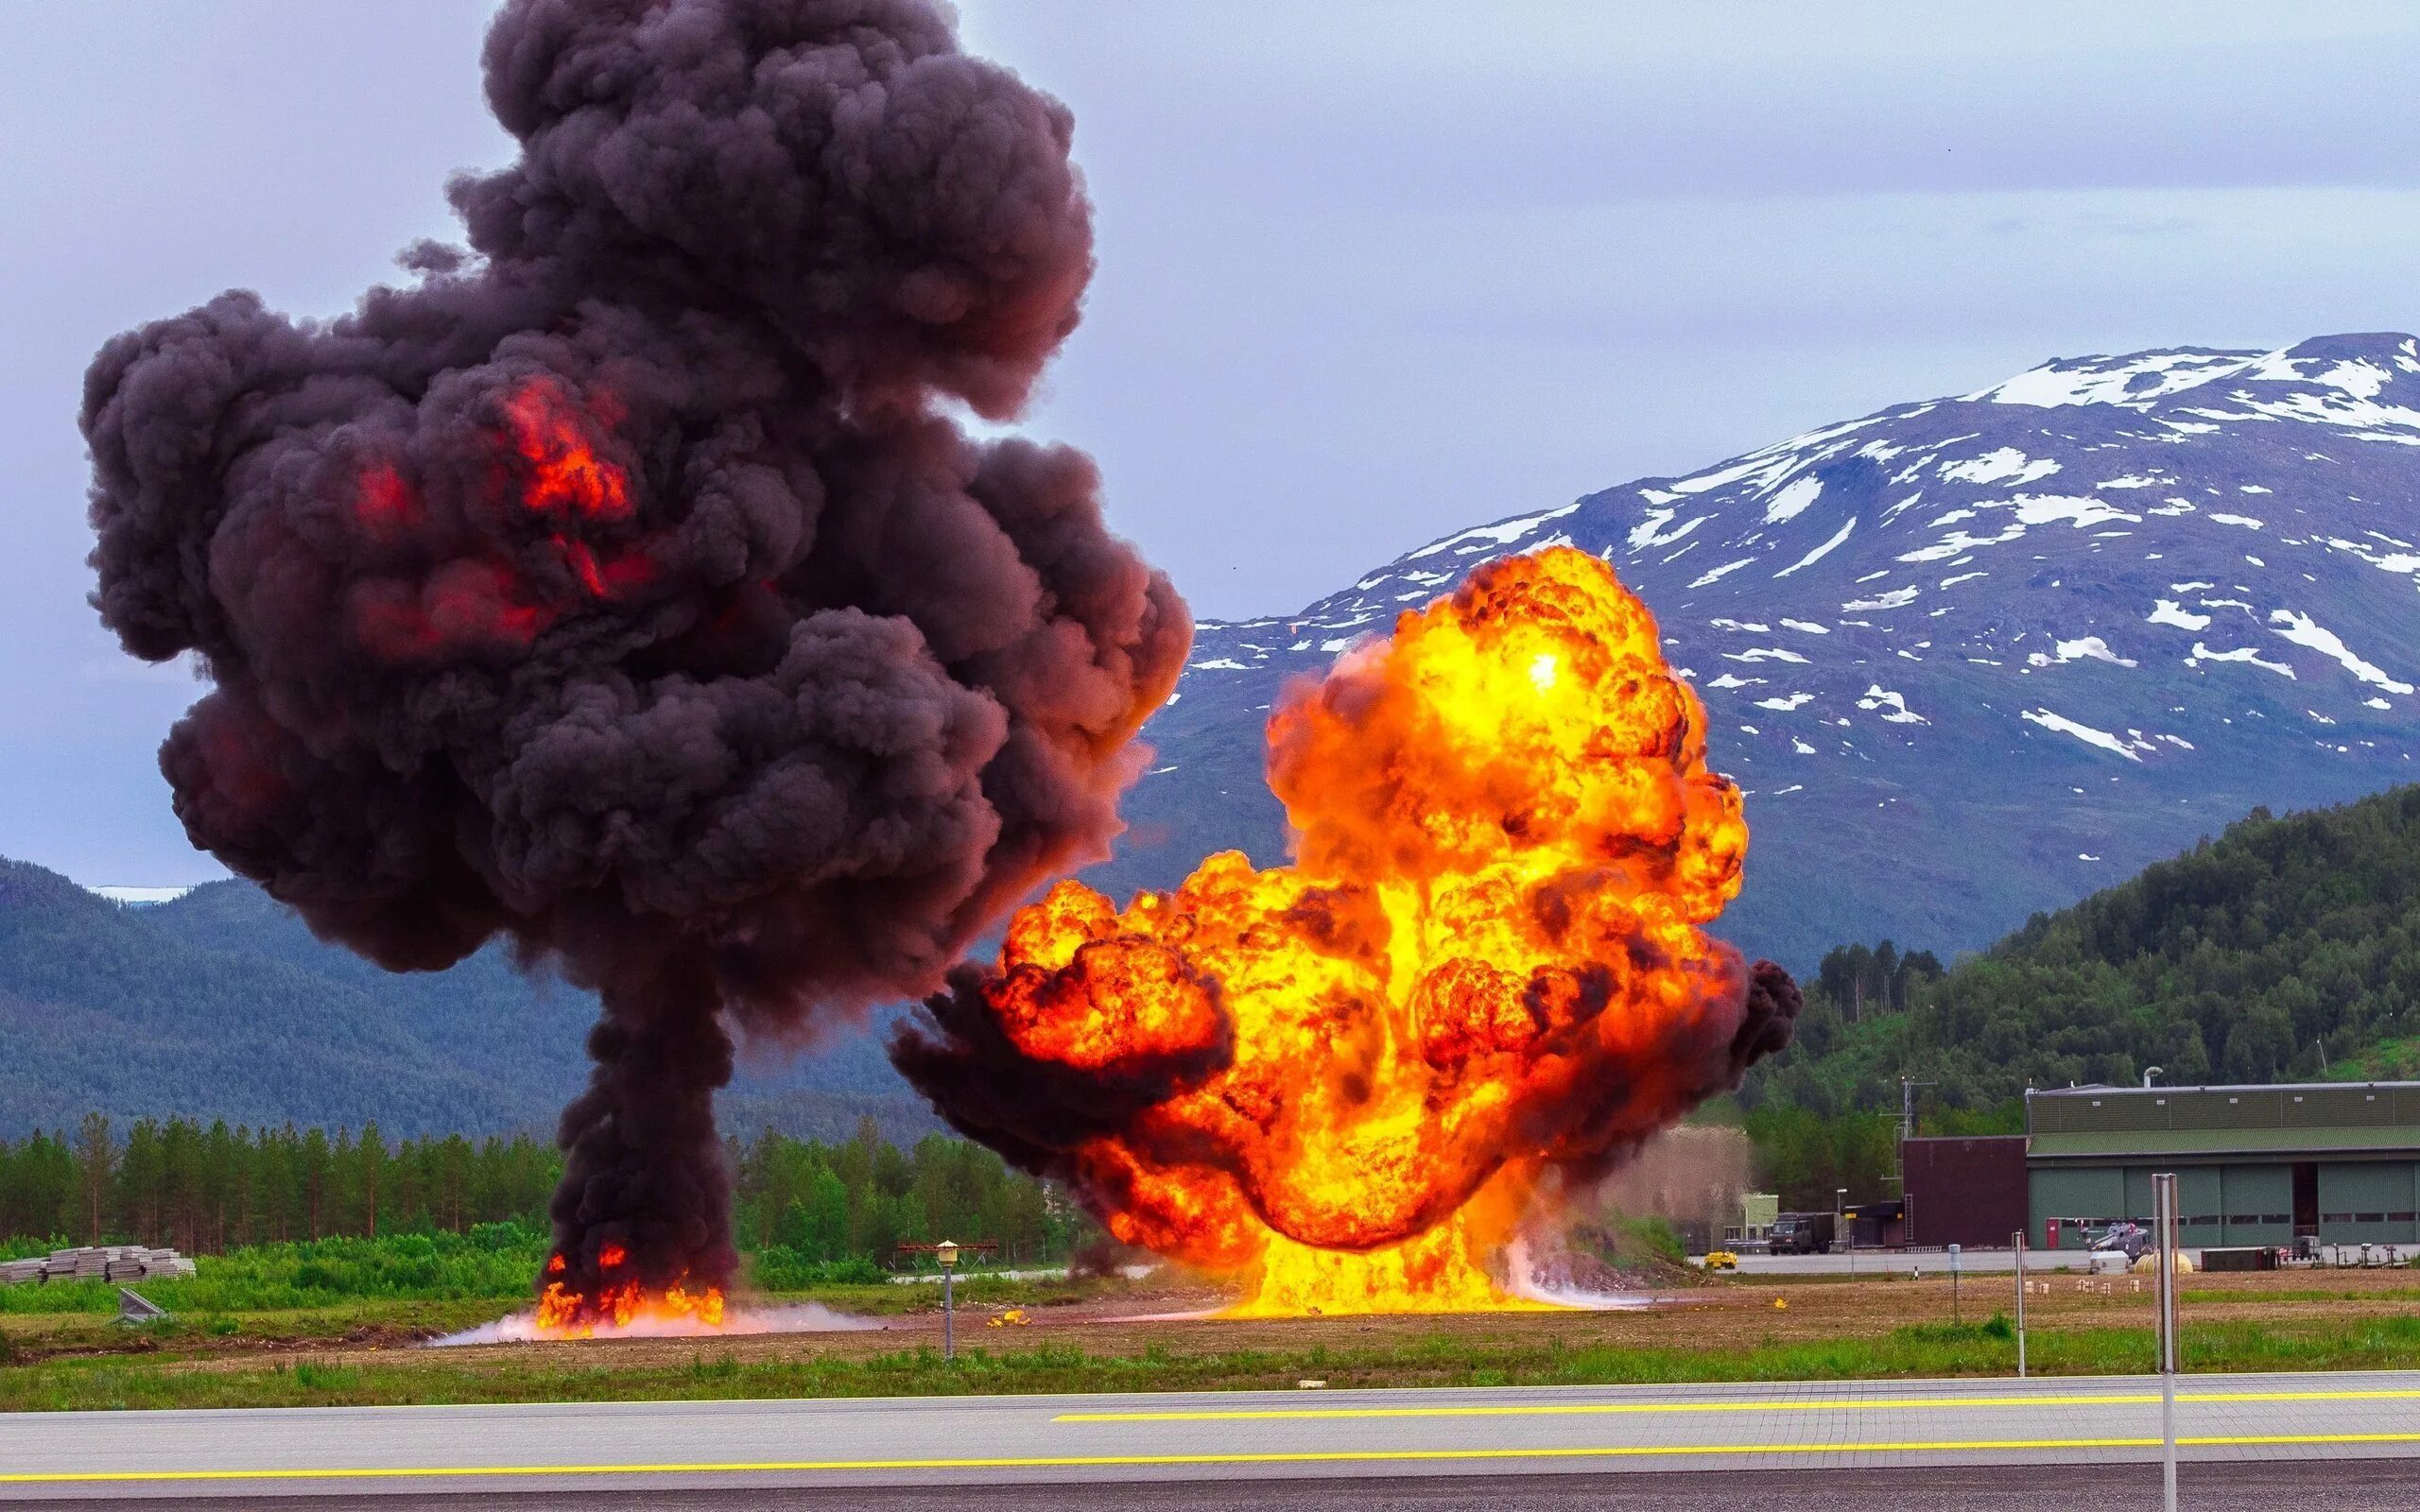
(621, 586)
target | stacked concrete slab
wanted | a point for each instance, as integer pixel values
(98, 1263)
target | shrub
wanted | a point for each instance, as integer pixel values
(779, 1268)
(1649, 1237)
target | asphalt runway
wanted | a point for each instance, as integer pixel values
(1973, 1263)
(1995, 1262)
(2372, 1486)
(1080, 1451)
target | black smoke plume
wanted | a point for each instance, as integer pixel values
(620, 585)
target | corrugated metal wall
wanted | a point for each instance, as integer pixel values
(2369, 1202)
(2232, 1203)
(2122, 1109)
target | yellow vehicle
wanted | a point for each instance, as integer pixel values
(1721, 1259)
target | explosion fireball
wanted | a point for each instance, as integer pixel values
(622, 586)
(1348, 1080)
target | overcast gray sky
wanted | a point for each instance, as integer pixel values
(1370, 272)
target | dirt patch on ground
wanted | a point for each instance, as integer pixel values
(1740, 1312)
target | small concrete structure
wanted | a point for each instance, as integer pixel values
(98, 1263)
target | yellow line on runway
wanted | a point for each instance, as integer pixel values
(1362, 1456)
(1562, 1409)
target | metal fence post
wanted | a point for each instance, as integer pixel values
(2164, 1201)
(2020, 1238)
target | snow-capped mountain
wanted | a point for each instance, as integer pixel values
(1969, 657)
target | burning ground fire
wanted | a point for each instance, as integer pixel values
(621, 1303)
(1349, 1081)
(623, 1307)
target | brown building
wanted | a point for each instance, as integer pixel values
(1966, 1192)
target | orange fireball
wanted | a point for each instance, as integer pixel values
(1344, 1079)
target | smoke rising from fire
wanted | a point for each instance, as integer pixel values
(1485, 970)
(619, 585)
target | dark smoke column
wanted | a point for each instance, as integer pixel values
(620, 585)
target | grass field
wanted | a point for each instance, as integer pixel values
(231, 1344)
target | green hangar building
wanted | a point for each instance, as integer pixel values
(2337, 1162)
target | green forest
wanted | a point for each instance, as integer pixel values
(802, 1204)
(2288, 948)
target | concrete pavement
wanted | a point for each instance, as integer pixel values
(2238, 1485)
(2003, 1261)
(1904, 1261)
(1189, 1439)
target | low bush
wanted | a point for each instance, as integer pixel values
(780, 1269)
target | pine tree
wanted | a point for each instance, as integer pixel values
(96, 1162)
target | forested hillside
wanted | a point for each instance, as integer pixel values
(222, 1004)
(210, 1189)
(2286, 947)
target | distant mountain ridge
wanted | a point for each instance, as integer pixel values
(1970, 658)
(220, 1004)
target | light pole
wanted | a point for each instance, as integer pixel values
(946, 1253)
(1839, 1225)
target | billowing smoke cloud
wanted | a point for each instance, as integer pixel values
(620, 585)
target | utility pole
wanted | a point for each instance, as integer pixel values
(1907, 1107)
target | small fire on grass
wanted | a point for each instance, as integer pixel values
(623, 1307)
(627, 1309)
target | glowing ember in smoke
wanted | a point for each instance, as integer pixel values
(1348, 1079)
(560, 470)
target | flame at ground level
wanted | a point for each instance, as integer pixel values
(1441, 1271)
(627, 1309)
(663, 1323)
(622, 1304)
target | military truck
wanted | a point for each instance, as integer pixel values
(1803, 1233)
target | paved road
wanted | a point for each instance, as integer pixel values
(1931, 1262)
(2261, 1486)
(751, 1447)
(1972, 1262)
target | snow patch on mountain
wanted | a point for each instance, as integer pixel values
(2085, 732)
(2303, 630)
(2006, 465)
